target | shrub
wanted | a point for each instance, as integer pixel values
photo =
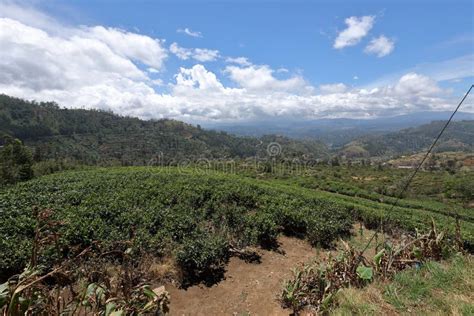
(202, 256)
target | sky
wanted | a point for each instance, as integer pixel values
(230, 61)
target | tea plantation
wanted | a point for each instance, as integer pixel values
(195, 217)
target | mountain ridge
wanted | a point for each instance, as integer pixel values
(99, 137)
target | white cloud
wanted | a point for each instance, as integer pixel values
(242, 61)
(355, 78)
(380, 46)
(416, 85)
(201, 95)
(333, 88)
(199, 54)
(203, 55)
(28, 15)
(261, 78)
(189, 32)
(130, 45)
(94, 67)
(182, 53)
(357, 28)
(198, 77)
(33, 58)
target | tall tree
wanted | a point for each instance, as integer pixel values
(15, 162)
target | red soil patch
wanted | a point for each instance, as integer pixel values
(248, 288)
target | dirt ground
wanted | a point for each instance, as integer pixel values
(248, 288)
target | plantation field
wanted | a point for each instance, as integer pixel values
(196, 217)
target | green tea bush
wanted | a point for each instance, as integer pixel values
(195, 218)
(191, 217)
(202, 256)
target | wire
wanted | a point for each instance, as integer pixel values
(405, 187)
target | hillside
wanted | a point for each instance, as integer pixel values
(459, 136)
(335, 132)
(98, 137)
(181, 210)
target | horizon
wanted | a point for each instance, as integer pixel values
(270, 60)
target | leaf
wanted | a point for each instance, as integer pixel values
(91, 289)
(378, 257)
(109, 308)
(117, 313)
(327, 301)
(4, 291)
(365, 273)
(148, 292)
(100, 293)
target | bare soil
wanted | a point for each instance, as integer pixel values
(248, 288)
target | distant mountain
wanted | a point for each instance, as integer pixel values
(98, 137)
(335, 132)
(459, 136)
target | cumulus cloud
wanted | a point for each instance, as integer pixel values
(30, 16)
(197, 77)
(109, 68)
(129, 45)
(200, 93)
(333, 88)
(32, 58)
(357, 28)
(199, 54)
(189, 32)
(261, 78)
(417, 85)
(380, 46)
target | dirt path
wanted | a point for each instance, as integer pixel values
(248, 288)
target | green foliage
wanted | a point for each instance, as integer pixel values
(435, 288)
(461, 186)
(458, 137)
(315, 284)
(353, 188)
(420, 288)
(202, 255)
(166, 211)
(365, 273)
(15, 162)
(94, 137)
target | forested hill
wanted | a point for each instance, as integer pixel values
(459, 136)
(99, 137)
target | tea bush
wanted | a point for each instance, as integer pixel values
(194, 217)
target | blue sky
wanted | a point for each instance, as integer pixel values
(244, 60)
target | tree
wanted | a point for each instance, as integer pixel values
(450, 166)
(462, 186)
(335, 161)
(15, 162)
